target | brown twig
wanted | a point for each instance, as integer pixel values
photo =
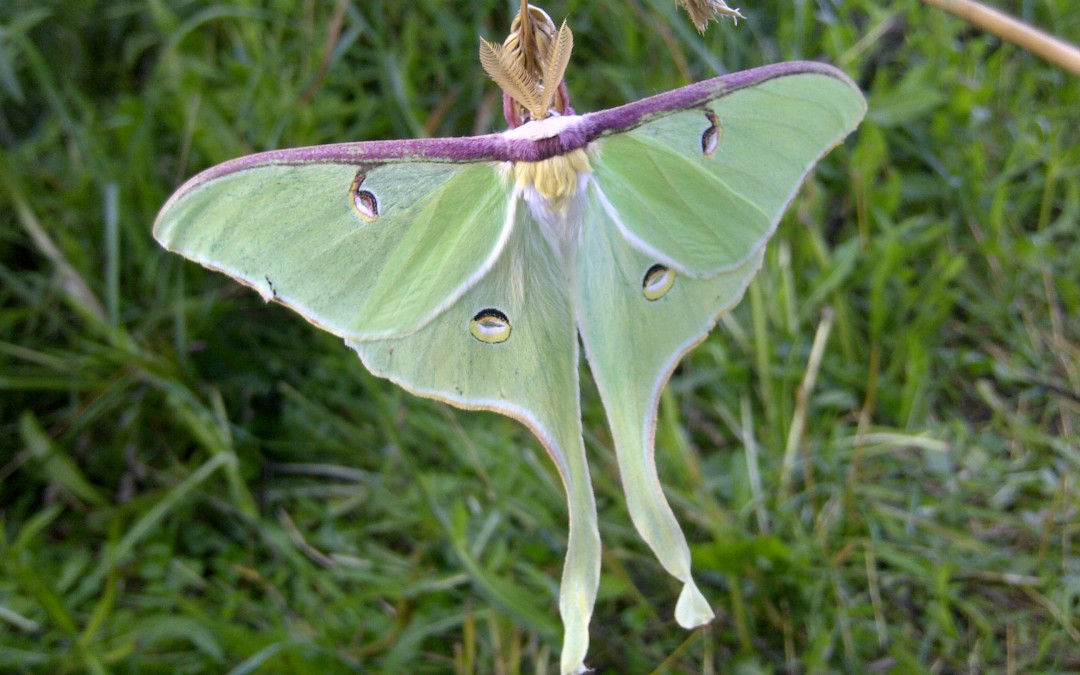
(1021, 34)
(337, 20)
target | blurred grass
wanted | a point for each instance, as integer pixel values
(193, 481)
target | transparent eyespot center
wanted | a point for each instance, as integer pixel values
(657, 282)
(710, 138)
(364, 201)
(490, 326)
(366, 205)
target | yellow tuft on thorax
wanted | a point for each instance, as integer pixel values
(555, 178)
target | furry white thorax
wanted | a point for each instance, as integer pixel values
(536, 130)
(555, 190)
(561, 226)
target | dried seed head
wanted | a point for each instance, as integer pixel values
(703, 11)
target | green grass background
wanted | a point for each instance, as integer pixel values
(194, 481)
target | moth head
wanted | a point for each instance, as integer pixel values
(529, 66)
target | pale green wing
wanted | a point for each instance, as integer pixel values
(701, 189)
(531, 375)
(636, 320)
(361, 249)
(687, 188)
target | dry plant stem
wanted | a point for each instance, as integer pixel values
(753, 466)
(802, 402)
(1006, 27)
(74, 286)
(337, 21)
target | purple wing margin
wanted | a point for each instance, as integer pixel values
(498, 148)
(626, 117)
(492, 147)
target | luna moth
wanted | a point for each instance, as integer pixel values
(467, 269)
